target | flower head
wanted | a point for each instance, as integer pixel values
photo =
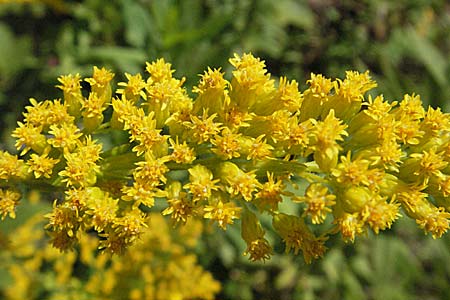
(298, 236)
(9, 200)
(318, 201)
(222, 213)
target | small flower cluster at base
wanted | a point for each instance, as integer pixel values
(235, 150)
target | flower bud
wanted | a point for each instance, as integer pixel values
(355, 198)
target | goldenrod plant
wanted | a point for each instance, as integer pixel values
(235, 151)
(159, 267)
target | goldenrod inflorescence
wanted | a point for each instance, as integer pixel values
(236, 150)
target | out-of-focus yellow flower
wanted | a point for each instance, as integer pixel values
(9, 200)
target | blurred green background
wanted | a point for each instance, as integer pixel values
(405, 44)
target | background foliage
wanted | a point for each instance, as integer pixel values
(405, 44)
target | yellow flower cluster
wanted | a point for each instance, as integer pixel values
(158, 268)
(236, 150)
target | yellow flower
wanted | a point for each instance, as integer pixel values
(164, 98)
(201, 183)
(141, 193)
(102, 208)
(222, 213)
(255, 148)
(11, 166)
(143, 130)
(349, 94)
(159, 70)
(207, 158)
(270, 194)
(133, 89)
(63, 219)
(234, 118)
(92, 111)
(226, 144)
(251, 86)
(388, 154)
(89, 149)
(325, 136)
(203, 128)
(123, 112)
(79, 171)
(410, 108)
(420, 167)
(378, 108)
(253, 234)
(349, 172)
(276, 124)
(408, 131)
(297, 236)
(29, 138)
(315, 97)
(350, 225)
(318, 202)
(151, 172)
(436, 221)
(180, 206)
(182, 153)
(434, 122)
(9, 200)
(65, 136)
(131, 225)
(239, 182)
(212, 92)
(287, 95)
(70, 85)
(100, 83)
(41, 165)
(46, 113)
(379, 214)
(297, 137)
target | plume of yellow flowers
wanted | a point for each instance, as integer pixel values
(236, 150)
(160, 267)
